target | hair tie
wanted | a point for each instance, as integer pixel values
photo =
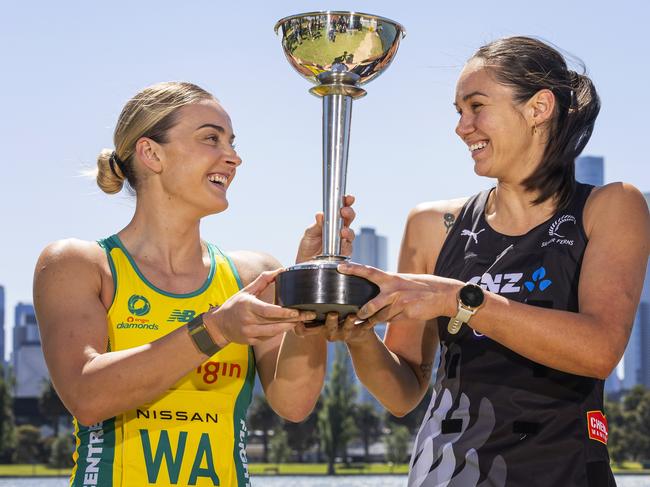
(113, 160)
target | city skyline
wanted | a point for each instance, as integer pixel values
(69, 80)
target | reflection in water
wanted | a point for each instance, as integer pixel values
(338, 481)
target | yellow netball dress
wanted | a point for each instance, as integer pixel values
(195, 434)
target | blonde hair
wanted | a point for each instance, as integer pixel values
(150, 113)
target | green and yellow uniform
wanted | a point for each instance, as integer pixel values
(195, 434)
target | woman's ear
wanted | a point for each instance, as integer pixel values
(149, 153)
(542, 107)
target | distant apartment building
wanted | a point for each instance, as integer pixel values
(369, 249)
(590, 170)
(29, 367)
(2, 326)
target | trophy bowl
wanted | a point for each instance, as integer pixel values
(317, 43)
(337, 51)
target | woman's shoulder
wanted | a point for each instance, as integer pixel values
(72, 251)
(613, 203)
(71, 261)
(441, 213)
(251, 264)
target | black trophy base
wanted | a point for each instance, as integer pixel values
(319, 287)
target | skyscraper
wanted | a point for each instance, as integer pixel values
(27, 357)
(2, 326)
(636, 360)
(369, 249)
(590, 170)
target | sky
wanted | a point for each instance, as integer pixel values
(67, 68)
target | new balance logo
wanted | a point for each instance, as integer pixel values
(469, 233)
(181, 315)
(499, 283)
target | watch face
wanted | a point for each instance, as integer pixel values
(471, 295)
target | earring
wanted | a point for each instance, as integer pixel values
(534, 129)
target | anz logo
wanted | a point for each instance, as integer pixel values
(499, 283)
(510, 283)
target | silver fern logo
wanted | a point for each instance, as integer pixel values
(554, 229)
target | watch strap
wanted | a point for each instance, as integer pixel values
(201, 336)
(462, 316)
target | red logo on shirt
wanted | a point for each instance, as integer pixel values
(597, 426)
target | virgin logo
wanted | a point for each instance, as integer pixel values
(597, 426)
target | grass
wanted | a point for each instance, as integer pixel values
(39, 470)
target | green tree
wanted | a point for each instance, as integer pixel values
(61, 453)
(280, 450)
(397, 443)
(7, 426)
(262, 417)
(616, 442)
(28, 441)
(336, 418)
(51, 406)
(302, 435)
(369, 425)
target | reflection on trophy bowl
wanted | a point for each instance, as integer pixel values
(351, 42)
(317, 286)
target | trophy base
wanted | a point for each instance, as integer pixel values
(317, 286)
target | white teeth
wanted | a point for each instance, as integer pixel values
(218, 178)
(478, 145)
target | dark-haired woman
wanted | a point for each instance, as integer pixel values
(530, 289)
(153, 336)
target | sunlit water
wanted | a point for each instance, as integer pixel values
(297, 481)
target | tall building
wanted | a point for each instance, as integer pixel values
(2, 326)
(590, 170)
(636, 360)
(30, 370)
(369, 249)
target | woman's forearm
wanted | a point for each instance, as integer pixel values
(577, 343)
(113, 382)
(388, 377)
(299, 376)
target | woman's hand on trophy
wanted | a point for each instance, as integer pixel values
(405, 296)
(246, 319)
(311, 244)
(350, 329)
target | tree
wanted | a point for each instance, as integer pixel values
(369, 425)
(616, 442)
(61, 454)
(7, 428)
(336, 418)
(51, 405)
(280, 450)
(302, 436)
(397, 443)
(261, 417)
(28, 440)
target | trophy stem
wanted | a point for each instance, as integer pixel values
(337, 115)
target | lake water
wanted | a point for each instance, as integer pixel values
(297, 481)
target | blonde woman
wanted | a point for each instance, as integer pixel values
(152, 336)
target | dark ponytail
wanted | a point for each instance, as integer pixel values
(528, 66)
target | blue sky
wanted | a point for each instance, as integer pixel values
(69, 67)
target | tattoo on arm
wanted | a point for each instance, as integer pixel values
(449, 221)
(426, 370)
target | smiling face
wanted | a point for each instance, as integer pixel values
(497, 131)
(198, 162)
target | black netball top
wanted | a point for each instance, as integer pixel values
(497, 418)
